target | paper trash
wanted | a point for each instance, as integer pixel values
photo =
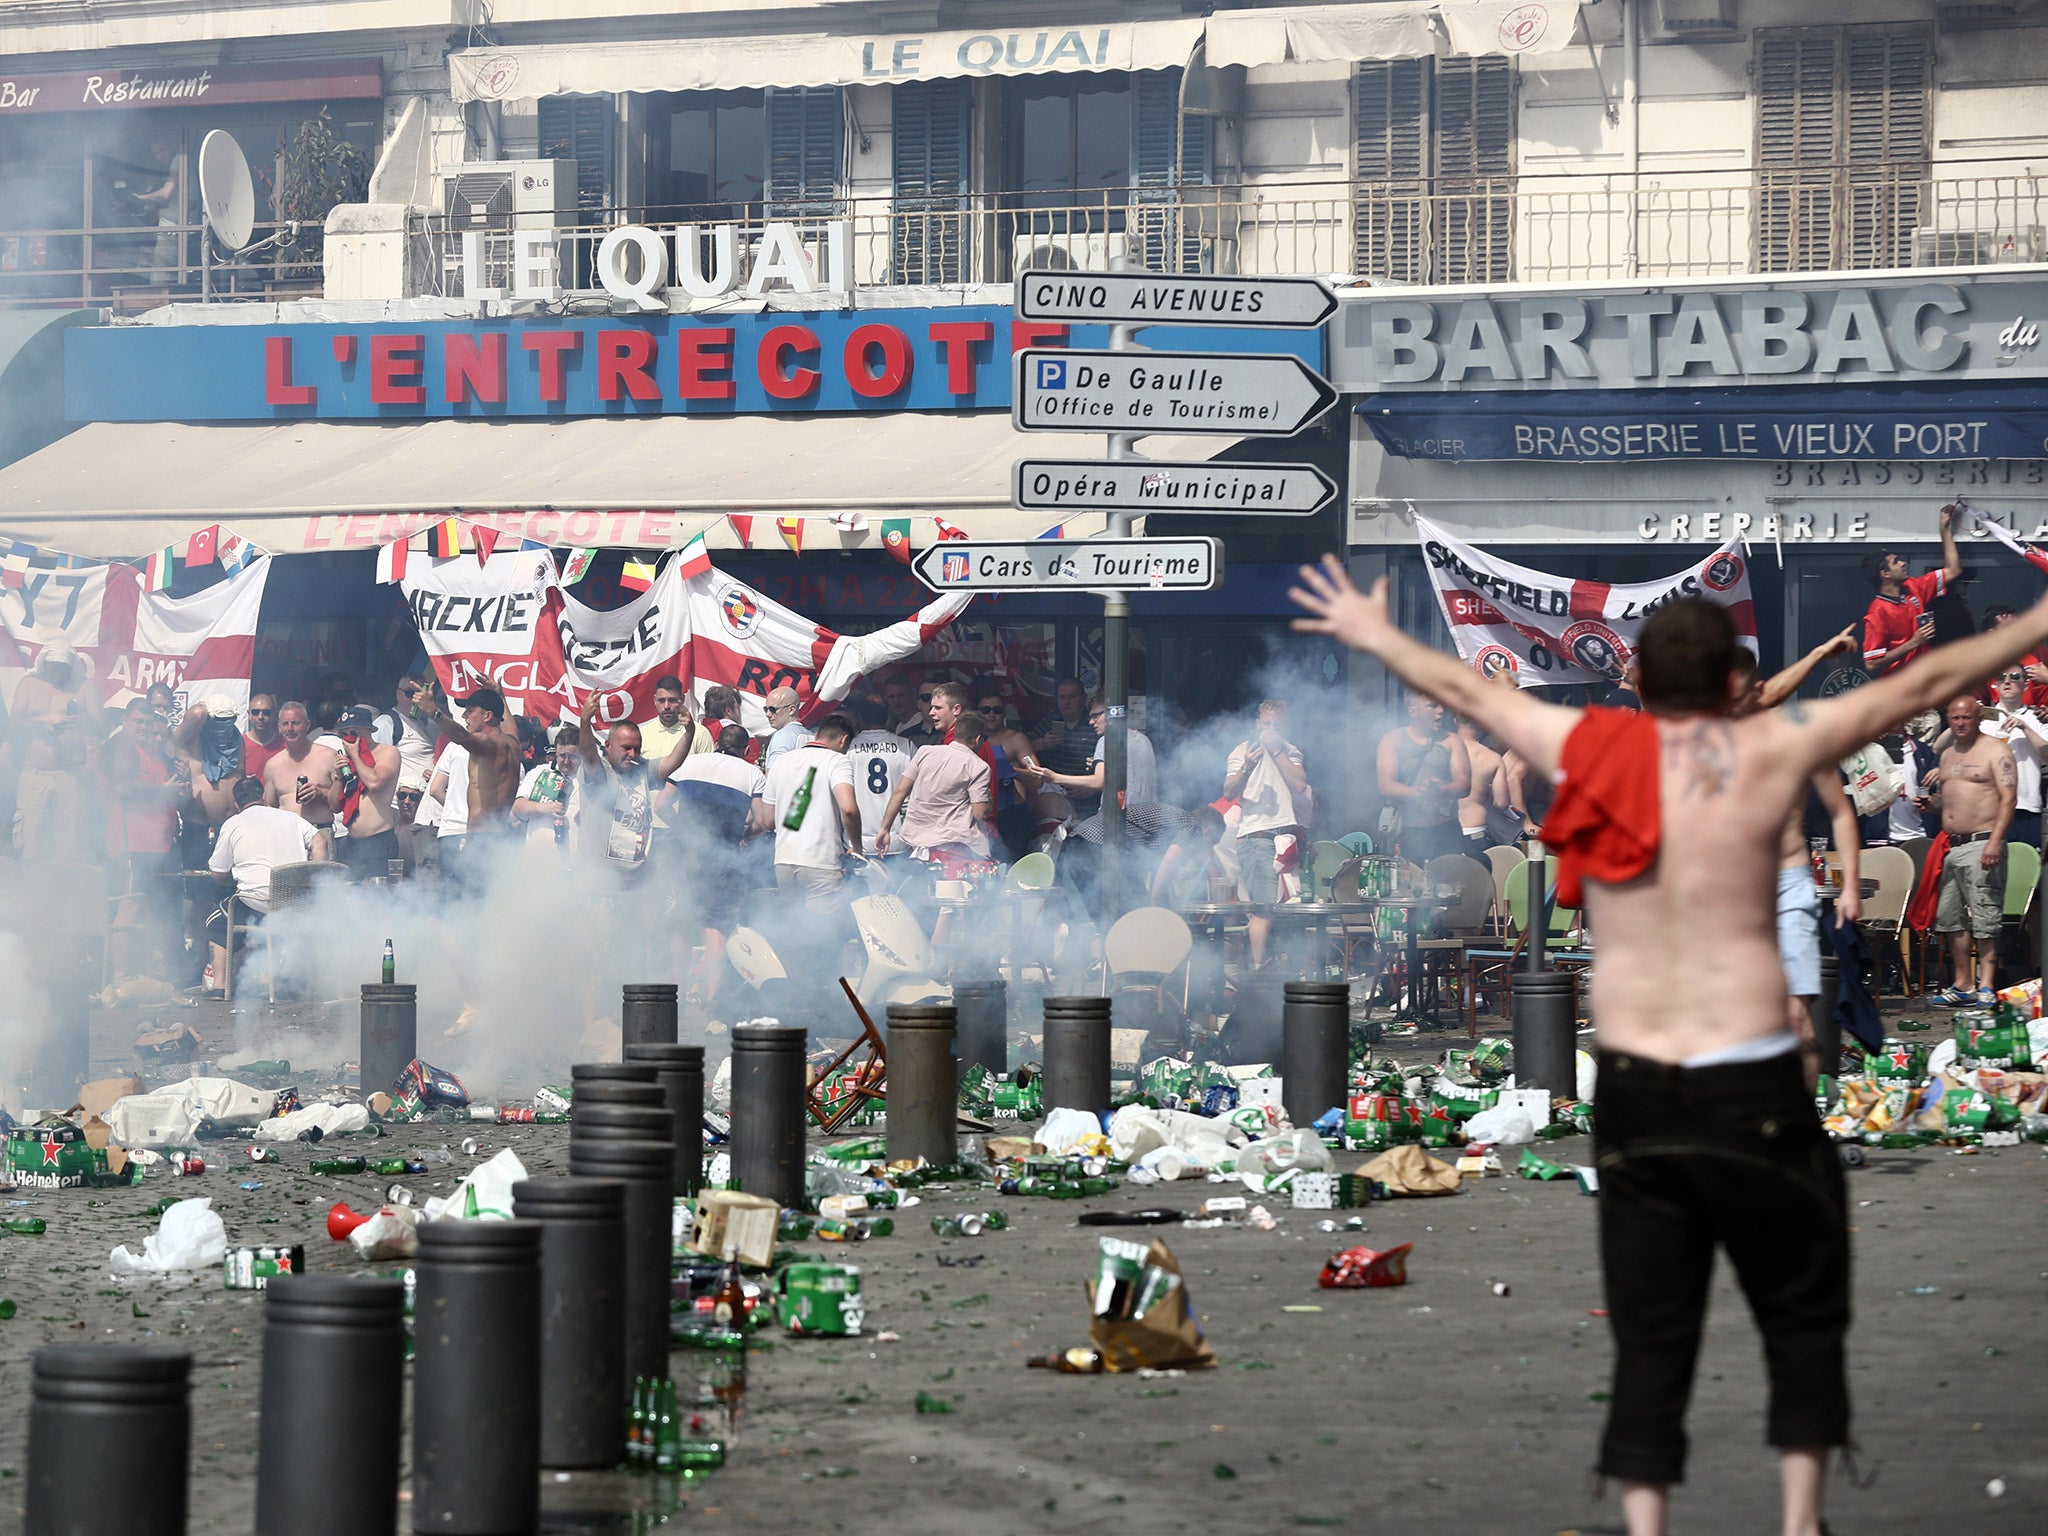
(191, 1236)
(328, 1119)
(171, 1117)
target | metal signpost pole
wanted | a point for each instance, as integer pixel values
(1116, 672)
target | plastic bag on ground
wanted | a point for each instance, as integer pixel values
(1293, 1152)
(1584, 1070)
(191, 1236)
(1064, 1128)
(171, 1117)
(719, 1093)
(393, 1233)
(328, 1119)
(1135, 1131)
(486, 1193)
(1505, 1125)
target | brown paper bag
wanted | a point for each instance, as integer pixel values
(1408, 1170)
(1165, 1338)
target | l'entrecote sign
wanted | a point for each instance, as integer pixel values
(1890, 327)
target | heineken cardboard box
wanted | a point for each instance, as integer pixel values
(59, 1157)
(749, 1221)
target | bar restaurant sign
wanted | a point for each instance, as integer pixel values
(123, 87)
(1900, 326)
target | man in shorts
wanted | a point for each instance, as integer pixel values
(1265, 776)
(1979, 784)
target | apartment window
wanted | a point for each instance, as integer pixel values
(580, 128)
(1843, 148)
(932, 140)
(722, 156)
(1434, 166)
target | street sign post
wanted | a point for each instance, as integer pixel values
(1072, 565)
(1246, 394)
(1144, 298)
(1155, 485)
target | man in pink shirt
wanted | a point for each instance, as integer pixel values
(947, 791)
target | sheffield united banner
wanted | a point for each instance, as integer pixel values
(1551, 630)
(202, 646)
(507, 623)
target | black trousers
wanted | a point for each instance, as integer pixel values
(1734, 1157)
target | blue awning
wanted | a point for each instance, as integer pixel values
(1878, 422)
(32, 377)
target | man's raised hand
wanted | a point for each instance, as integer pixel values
(1339, 609)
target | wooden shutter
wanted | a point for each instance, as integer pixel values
(1390, 164)
(931, 147)
(1887, 73)
(806, 151)
(1474, 153)
(580, 128)
(1157, 133)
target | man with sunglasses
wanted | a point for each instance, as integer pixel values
(415, 746)
(261, 742)
(785, 732)
(908, 704)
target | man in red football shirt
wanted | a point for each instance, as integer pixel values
(1897, 625)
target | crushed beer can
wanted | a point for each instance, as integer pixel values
(252, 1269)
(1366, 1268)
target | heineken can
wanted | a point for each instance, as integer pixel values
(820, 1299)
(966, 1224)
(251, 1269)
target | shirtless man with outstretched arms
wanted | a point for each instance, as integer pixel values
(1705, 1132)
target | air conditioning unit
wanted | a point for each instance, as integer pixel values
(1075, 251)
(1695, 18)
(510, 194)
(1962, 17)
(1979, 247)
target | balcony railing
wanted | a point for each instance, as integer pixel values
(1531, 228)
(136, 267)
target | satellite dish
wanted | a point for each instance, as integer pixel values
(226, 194)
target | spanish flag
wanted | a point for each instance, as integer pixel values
(446, 538)
(636, 575)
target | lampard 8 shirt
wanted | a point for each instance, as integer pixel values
(878, 758)
(1890, 621)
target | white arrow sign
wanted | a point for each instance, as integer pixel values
(1152, 485)
(1145, 299)
(1241, 394)
(1072, 565)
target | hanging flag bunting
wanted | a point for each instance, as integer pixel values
(896, 538)
(235, 552)
(391, 561)
(577, 566)
(14, 568)
(636, 576)
(850, 522)
(947, 530)
(695, 559)
(792, 531)
(1056, 531)
(446, 538)
(156, 570)
(199, 549)
(485, 538)
(742, 529)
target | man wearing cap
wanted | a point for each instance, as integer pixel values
(372, 840)
(494, 757)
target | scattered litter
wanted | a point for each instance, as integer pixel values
(928, 1403)
(327, 1119)
(1361, 1268)
(190, 1236)
(1500, 1288)
(1301, 1309)
(1996, 1488)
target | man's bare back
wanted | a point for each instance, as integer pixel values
(1488, 767)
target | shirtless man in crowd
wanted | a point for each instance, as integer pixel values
(1705, 1132)
(302, 775)
(1979, 784)
(494, 759)
(372, 840)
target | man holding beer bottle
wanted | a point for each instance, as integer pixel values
(816, 817)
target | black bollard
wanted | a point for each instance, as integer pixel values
(333, 1400)
(1827, 1029)
(583, 1382)
(647, 1014)
(390, 1034)
(983, 1024)
(608, 1072)
(768, 1111)
(1546, 1030)
(1077, 1053)
(1315, 1048)
(621, 1122)
(94, 1408)
(681, 1070)
(1252, 1032)
(607, 1090)
(923, 1086)
(475, 1393)
(645, 1168)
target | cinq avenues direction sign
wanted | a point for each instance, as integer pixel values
(1143, 298)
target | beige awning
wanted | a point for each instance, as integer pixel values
(115, 489)
(814, 58)
(1330, 34)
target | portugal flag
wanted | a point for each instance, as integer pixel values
(896, 538)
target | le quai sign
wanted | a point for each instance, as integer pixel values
(638, 265)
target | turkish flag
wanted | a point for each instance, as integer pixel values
(199, 549)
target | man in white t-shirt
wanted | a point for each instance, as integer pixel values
(253, 842)
(878, 756)
(807, 856)
(2023, 730)
(1265, 776)
(713, 804)
(394, 728)
(448, 795)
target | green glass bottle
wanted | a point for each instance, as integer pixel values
(389, 1166)
(636, 1425)
(667, 1433)
(880, 1226)
(330, 1165)
(800, 802)
(25, 1226)
(700, 1458)
(390, 964)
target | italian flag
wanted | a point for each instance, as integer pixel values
(156, 570)
(696, 559)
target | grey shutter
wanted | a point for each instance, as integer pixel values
(1887, 74)
(1390, 120)
(931, 148)
(580, 128)
(806, 151)
(1474, 152)
(1153, 228)
(1796, 148)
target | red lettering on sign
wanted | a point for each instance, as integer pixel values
(278, 388)
(581, 529)
(624, 360)
(702, 353)
(473, 367)
(957, 339)
(551, 350)
(894, 347)
(1026, 333)
(395, 365)
(536, 530)
(772, 360)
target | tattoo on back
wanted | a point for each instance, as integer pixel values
(1794, 710)
(1705, 755)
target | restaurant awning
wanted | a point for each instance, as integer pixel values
(114, 489)
(31, 371)
(718, 63)
(1327, 34)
